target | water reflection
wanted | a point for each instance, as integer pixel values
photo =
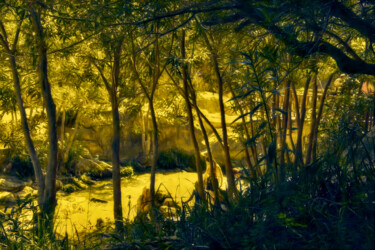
(80, 211)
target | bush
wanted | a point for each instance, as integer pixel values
(69, 188)
(175, 158)
(20, 166)
(76, 152)
(126, 171)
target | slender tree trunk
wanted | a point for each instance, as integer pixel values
(214, 181)
(254, 147)
(62, 139)
(191, 119)
(200, 113)
(155, 150)
(39, 177)
(71, 138)
(117, 207)
(319, 116)
(264, 140)
(218, 137)
(228, 164)
(247, 136)
(50, 180)
(299, 156)
(62, 128)
(150, 98)
(284, 132)
(290, 124)
(313, 122)
(204, 132)
(290, 128)
(112, 92)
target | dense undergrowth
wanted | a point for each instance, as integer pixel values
(329, 207)
(328, 204)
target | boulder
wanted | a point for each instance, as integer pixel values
(27, 191)
(69, 188)
(7, 198)
(87, 180)
(11, 184)
(59, 185)
(94, 168)
(80, 184)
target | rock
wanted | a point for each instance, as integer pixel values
(238, 172)
(7, 198)
(27, 191)
(69, 188)
(7, 169)
(87, 180)
(59, 185)
(94, 168)
(78, 183)
(12, 185)
(98, 200)
(99, 223)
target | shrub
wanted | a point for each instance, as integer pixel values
(69, 188)
(20, 166)
(176, 158)
(126, 171)
(76, 152)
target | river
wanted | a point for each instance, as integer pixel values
(78, 213)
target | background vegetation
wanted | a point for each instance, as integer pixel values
(292, 84)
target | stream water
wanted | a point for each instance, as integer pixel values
(80, 211)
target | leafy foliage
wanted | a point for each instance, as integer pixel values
(175, 159)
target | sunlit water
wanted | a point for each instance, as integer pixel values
(77, 213)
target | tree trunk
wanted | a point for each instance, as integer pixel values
(254, 149)
(117, 206)
(49, 202)
(313, 122)
(214, 181)
(228, 164)
(39, 177)
(319, 116)
(62, 139)
(247, 136)
(71, 138)
(191, 119)
(199, 112)
(204, 132)
(155, 150)
(299, 156)
(284, 132)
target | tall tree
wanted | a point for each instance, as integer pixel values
(228, 164)
(190, 116)
(148, 83)
(112, 89)
(49, 200)
(10, 51)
